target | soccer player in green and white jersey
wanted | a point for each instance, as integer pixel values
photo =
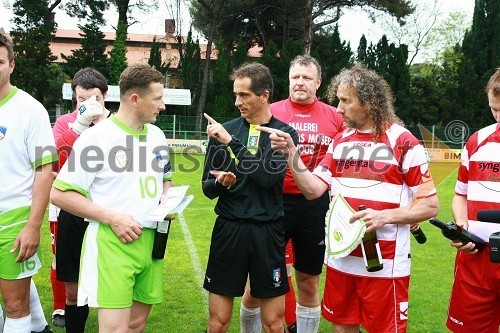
(115, 177)
(27, 150)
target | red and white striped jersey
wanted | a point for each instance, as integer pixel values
(479, 178)
(380, 175)
(316, 123)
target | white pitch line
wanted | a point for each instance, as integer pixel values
(195, 260)
(451, 173)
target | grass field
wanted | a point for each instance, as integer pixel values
(184, 308)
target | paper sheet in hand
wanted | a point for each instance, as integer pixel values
(175, 203)
(342, 237)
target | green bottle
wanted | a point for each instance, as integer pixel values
(371, 250)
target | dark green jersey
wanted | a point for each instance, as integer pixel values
(259, 171)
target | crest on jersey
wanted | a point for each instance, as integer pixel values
(3, 131)
(159, 160)
(123, 158)
(253, 140)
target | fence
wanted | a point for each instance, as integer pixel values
(452, 135)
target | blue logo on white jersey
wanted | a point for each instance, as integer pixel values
(3, 131)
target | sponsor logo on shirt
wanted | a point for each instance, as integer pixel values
(495, 167)
(456, 321)
(121, 158)
(3, 131)
(327, 309)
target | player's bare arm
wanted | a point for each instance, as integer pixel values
(125, 227)
(28, 239)
(311, 186)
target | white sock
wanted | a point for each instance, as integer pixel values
(307, 319)
(1, 319)
(19, 325)
(38, 321)
(250, 321)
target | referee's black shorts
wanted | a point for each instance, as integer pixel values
(305, 225)
(70, 232)
(242, 249)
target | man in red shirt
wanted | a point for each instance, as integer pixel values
(475, 298)
(90, 88)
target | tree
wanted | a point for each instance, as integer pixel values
(213, 11)
(331, 10)
(426, 31)
(481, 55)
(259, 21)
(93, 46)
(190, 66)
(389, 60)
(221, 99)
(117, 56)
(34, 27)
(333, 54)
(156, 59)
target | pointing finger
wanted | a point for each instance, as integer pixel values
(210, 119)
(271, 131)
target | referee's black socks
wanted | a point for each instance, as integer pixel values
(76, 317)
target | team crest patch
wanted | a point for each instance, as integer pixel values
(277, 277)
(159, 159)
(253, 140)
(123, 158)
(3, 131)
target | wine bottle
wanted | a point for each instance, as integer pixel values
(419, 236)
(371, 250)
(160, 240)
(453, 231)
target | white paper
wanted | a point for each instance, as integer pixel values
(342, 237)
(175, 203)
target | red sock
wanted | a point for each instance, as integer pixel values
(290, 305)
(58, 290)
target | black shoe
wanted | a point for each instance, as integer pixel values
(46, 329)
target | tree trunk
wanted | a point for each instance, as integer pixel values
(286, 26)
(308, 27)
(122, 6)
(262, 29)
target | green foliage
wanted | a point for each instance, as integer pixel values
(155, 57)
(238, 54)
(191, 70)
(333, 55)
(481, 55)
(54, 82)
(278, 62)
(93, 47)
(220, 100)
(34, 27)
(117, 60)
(390, 61)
